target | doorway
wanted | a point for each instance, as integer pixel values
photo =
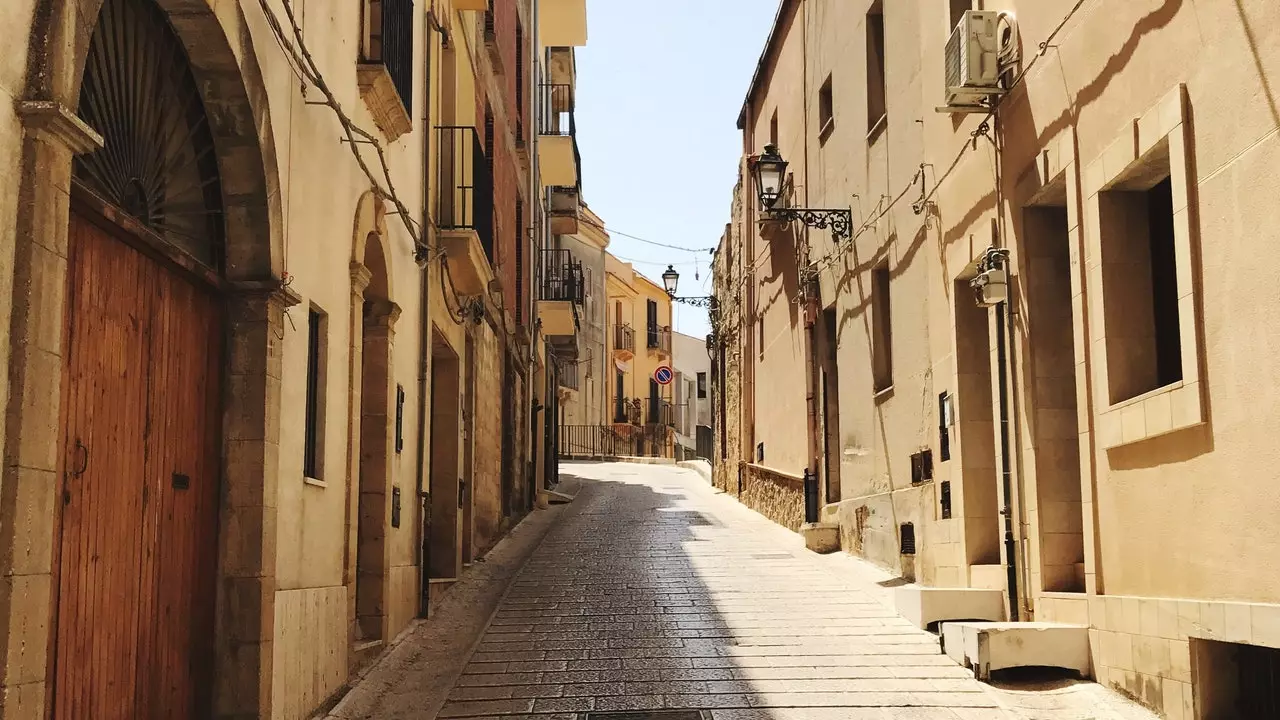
(829, 378)
(975, 414)
(445, 555)
(139, 525)
(136, 547)
(467, 492)
(376, 398)
(1054, 420)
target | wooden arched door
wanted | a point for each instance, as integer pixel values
(141, 391)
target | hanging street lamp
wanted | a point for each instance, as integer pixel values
(671, 281)
(770, 172)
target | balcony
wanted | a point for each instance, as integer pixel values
(660, 412)
(659, 339)
(569, 376)
(563, 23)
(627, 412)
(558, 160)
(561, 291)
(624, 342)
(385, 73)
(464, 208)
(563, 210)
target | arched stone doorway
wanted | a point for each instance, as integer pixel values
(219, 299)
(373, 320)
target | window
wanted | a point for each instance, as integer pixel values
(521, 238)
(958, 9)
(1140, 280)
(773, 128)
(882, 329)
(313, 440)
(520, 84)
(876, 107)
(826, 111)
(702, 385)
(760, 335)
(651, 325)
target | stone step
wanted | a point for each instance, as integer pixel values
(924, 606)
(985, 647)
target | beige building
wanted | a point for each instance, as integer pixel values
(639, 318)
(1116, 155)
(259, 307)
(584, 381)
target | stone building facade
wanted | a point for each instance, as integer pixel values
(1118, 177)
(308, 402)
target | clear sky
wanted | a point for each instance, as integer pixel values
(660, 85)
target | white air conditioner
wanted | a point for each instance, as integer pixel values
(973, 59)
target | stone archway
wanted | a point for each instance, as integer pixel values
(235, 99)
(373, 314)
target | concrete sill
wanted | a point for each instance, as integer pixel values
(882, 395)
(314, 482)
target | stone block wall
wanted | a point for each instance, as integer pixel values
(777, 496)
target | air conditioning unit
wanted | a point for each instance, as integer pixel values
(973, 59)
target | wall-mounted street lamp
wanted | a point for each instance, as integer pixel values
(770, 173)
(670, 281)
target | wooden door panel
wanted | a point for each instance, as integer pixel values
(185, 394)
(99, 588)
(138, 552)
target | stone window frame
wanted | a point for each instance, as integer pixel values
(1179, 405)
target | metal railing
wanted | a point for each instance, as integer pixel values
(389, 24)
(660, 412)
(659, 338)
(604, 441)
(562, 277)
(569, 375)
(555, 110)
(465, 188)
(628, 411)
(624, 338)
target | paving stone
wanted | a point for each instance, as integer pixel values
(658, 594)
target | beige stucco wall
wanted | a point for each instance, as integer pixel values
(1163, 523)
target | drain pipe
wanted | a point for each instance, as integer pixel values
(424, 338)
(993, 271)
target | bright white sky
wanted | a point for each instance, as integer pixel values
(660, 85)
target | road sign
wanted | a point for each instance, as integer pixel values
(663, 375)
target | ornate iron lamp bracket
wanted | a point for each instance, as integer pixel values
(840, 221)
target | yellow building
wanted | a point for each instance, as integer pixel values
(639, 322)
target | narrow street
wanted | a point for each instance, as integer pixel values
(652, 592)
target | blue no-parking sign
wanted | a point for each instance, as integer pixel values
(663, 375)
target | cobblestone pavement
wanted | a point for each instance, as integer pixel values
(656, 593)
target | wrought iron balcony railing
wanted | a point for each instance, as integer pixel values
(659, 338)
(624, 339)
(562, 277)
(628, 411)
(465, 188)
(389, 27)
(660, 412)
